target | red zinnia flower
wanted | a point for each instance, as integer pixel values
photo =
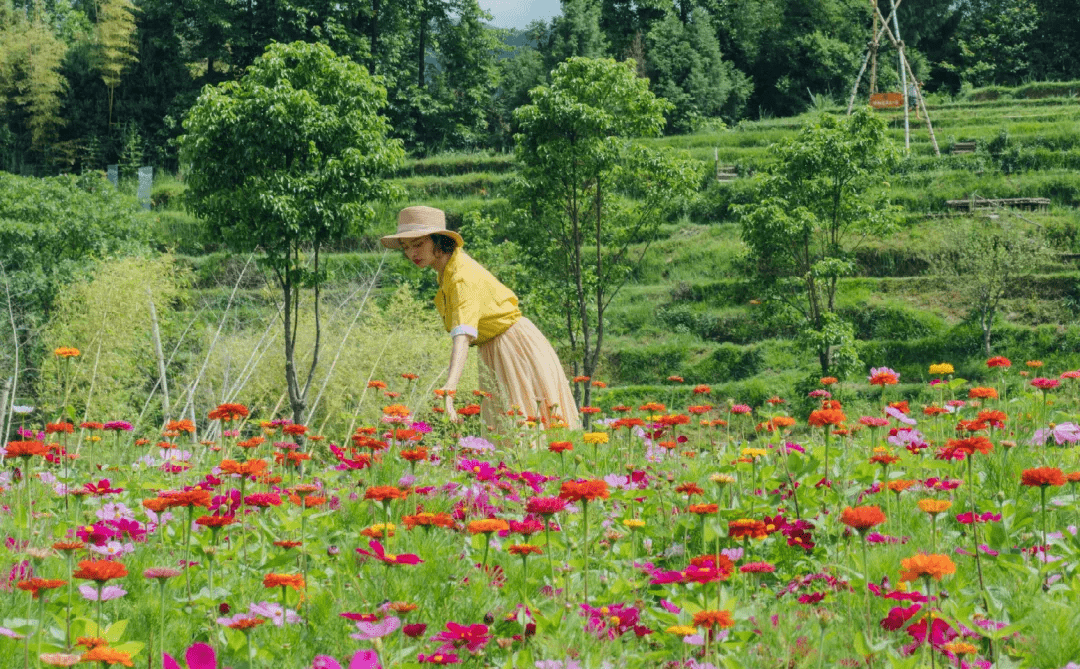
(1042, 477)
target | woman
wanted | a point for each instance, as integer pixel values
(479, 311)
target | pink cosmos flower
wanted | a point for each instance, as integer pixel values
(1062, 433)
(366, 631)
(108, 593)
(471, 637)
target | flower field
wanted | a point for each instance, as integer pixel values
(864, 533)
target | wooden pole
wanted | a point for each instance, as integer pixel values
(155, 332)
(903, 78)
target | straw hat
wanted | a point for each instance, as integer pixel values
(419, 221)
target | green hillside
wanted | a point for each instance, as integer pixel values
(689, 309)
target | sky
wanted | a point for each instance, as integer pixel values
(518, 13)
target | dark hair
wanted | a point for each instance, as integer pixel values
(443, 243)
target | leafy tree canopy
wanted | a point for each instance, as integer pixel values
(825, 195)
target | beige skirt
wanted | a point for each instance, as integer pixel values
(523, 372)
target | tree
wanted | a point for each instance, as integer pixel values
(30, 60)
(591, 190)
(287, 159)
(993, 38)
(987, 257)
(117, 48)
(685, 68)
(576, 32)
(819, 201)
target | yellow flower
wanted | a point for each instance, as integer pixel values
(634, 523)
(66, 352)
(595, 437)
(934, 506)
(755, 452)
(722, 479)
(941, 368)
(682, 630)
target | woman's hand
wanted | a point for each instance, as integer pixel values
(451, 412)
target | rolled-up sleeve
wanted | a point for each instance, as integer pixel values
(465, 304)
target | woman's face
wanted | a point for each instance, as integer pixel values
(420, 250)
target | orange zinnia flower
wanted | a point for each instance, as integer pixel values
(970, 445)
(427, 519)
(25, 449)
(1042, 477)
(934, 506)
(560, 446)
(524, 549)
(721, 619)
(385, 493)
(157, 504)
(747, 528)
(928, 565)
(824, 417)
(294, 581)
(862, 518)
(215, 522)
(981, 393)
(196, 497)
(249, 468)
(703, 509)
(576, 491)
(100, 571)
(36, 585)
(488, 525)
(183, 425)
(108, 656)
(900, 485)
(416, 455)
(689, 489)
(228, 412)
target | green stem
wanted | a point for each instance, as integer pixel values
(161, 642)
(585, 569)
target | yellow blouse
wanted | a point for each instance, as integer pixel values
(473, 302)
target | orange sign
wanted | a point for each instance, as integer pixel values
(887, 100)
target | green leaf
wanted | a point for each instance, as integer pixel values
(114, 632)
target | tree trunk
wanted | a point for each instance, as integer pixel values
(373, 33)
(986, 320)
(421, 44)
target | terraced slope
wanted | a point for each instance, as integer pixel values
(690, 312)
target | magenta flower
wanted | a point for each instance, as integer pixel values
(102, 487)
(970, 517)
(118, 426)
(471, 637)
(198, 656)
(899, 615)
(378, 553)
(363, 659)
(1043, 383)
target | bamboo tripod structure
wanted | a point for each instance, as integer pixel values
(906, 72)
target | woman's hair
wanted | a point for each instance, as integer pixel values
(443, 243)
